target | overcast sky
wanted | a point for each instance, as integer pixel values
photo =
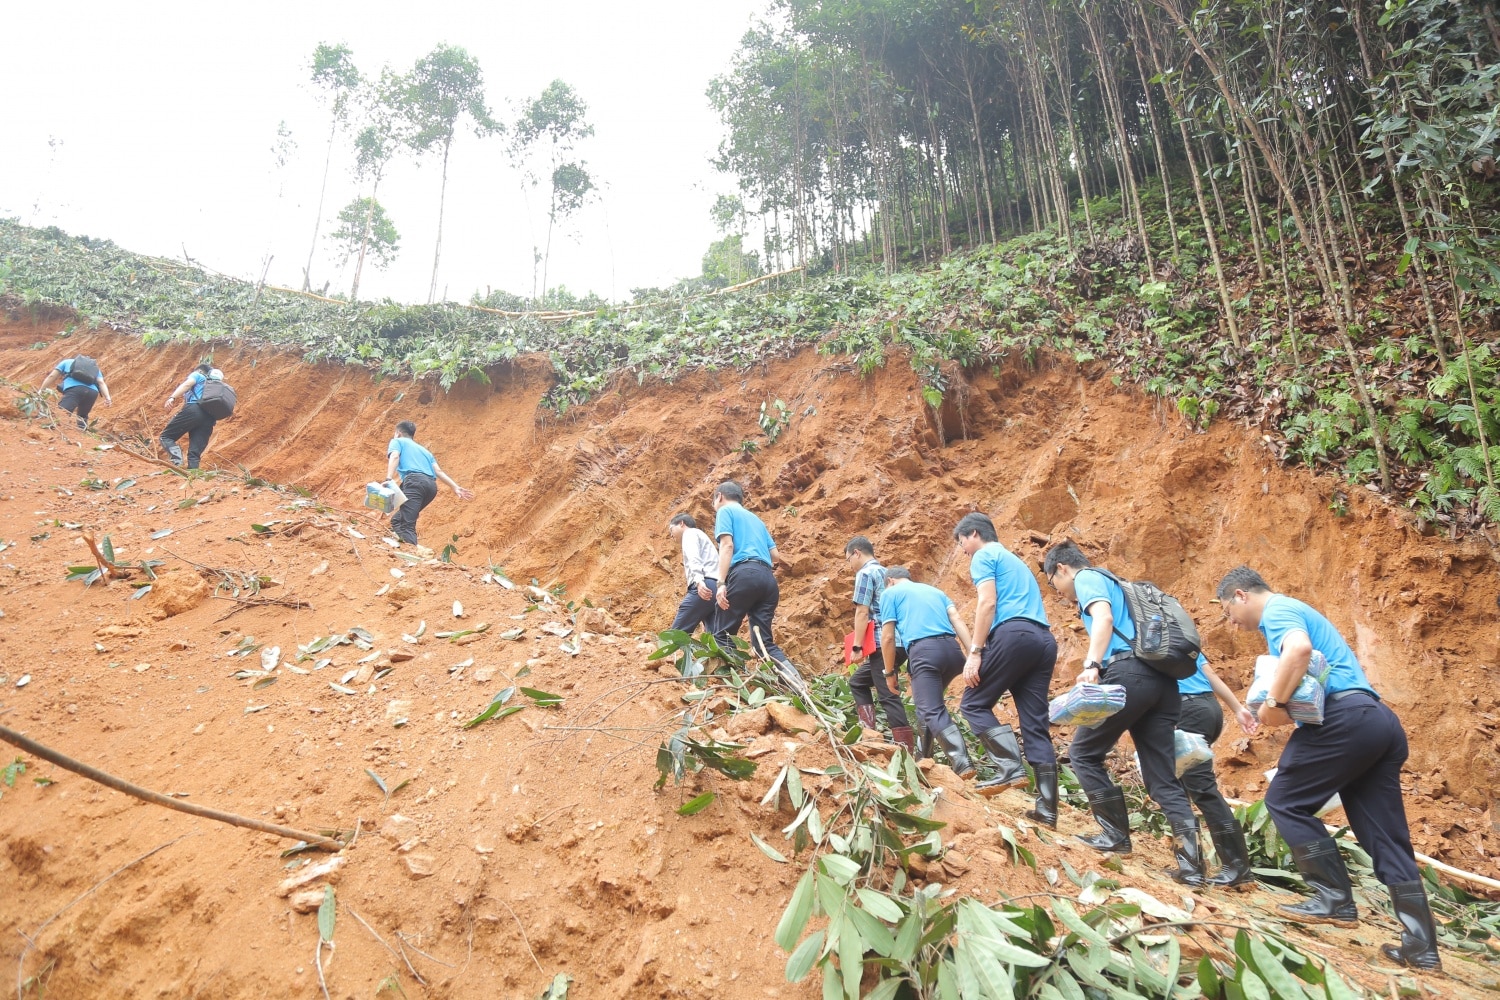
(163, 116)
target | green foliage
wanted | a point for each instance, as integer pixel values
(363, 223)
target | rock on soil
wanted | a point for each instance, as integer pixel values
(174, 593)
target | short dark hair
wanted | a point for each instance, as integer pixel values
(1240, 578)
(1064, 554)
(407, 427)
(686, 519)
(897, 573)
(731, 491)
(976, 523)
(205, 367)
(859, 543)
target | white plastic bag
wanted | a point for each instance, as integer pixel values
(1306, 703)
(1191, 750)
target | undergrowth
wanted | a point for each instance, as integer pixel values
(870, 918)
(1010, 303)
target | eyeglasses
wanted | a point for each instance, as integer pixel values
(1049, 577)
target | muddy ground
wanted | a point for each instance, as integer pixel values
(536, 844)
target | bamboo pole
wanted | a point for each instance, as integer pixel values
(146, 795)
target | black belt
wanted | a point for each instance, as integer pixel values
(1199, 694)
(1341, 695)
(416, 472)
(752, 559)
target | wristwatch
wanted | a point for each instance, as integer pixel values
(858, 648)
(1271, 702)
(974, 648)
(1093, 665)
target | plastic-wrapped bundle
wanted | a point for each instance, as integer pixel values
(1306, 703)
(1191, 750)
(1086, 704)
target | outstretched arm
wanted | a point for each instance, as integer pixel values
(52, 379)
(1223, 693)
(104, 392)
(182, 390)
(463, 494)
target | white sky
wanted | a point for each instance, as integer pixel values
(167, 113)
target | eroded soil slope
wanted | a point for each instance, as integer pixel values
(534, 844)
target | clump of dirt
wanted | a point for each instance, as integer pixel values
(174, 593)
(491, 858)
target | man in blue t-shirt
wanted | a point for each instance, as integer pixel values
(412, 467)
(1200, 713)
(1013, 651)
(747, 587)
(1356, 753)
(1149, 715)
(78, 394)
(190, 420)
(935, 638)
(868, 681)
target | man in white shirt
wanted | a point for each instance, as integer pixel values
(700, 564)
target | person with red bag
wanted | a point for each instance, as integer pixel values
(867, 681)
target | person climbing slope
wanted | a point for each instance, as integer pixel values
(82, 384)
(868, 683)
(747, 587)
(935, 638)
(1356, 753)
(192, 420)
(1200, 713)
(413, 468)
(700, 564)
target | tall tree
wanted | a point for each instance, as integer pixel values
(548, 131)
(444, 86)
(337, 82)
(384, 132)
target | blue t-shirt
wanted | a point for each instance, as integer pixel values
(65, 366)
(1284, 615)
(1016, 592)
(196, 392)
(869, 584)
(748, 532)
(1089, 586)
(919, 611)
(414, 458)
(1198, 683)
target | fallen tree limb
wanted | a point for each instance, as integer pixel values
(146, 795)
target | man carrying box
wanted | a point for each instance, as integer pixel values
(1356, 753)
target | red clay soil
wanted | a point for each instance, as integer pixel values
(535, 844)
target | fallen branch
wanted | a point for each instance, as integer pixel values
(243, 603)
(146, 795)
(399, 954)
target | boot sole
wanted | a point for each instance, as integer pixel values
(1105, 850)
(1303, 918)
(1050, 824)
(991, 790)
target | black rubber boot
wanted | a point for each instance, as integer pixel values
(1333, 896)
(902, 736)
(1005, 756)
(1113, 816)
(1234, 857)
(952, 742)
(1418, 948)
(924, 742)
(867, 721)
(1045, 811)
(1188, 855)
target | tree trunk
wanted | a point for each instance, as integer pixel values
(364, 242)
(318, 222)
(442, 201)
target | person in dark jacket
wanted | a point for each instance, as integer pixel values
(78, 394)
(413, 468)
(1356, 753)
(190, 420)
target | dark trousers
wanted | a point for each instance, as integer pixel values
(933, 663)
(1018, 657)
(1357, 752)
(694, 610)
(753, 592)
(420, 490)
(1149, 716)
(1201, 714)
(79, 401)
(197, 425)
(868, 683)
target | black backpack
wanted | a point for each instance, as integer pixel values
(85, 369)
(217, 400)
(1165, 637)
